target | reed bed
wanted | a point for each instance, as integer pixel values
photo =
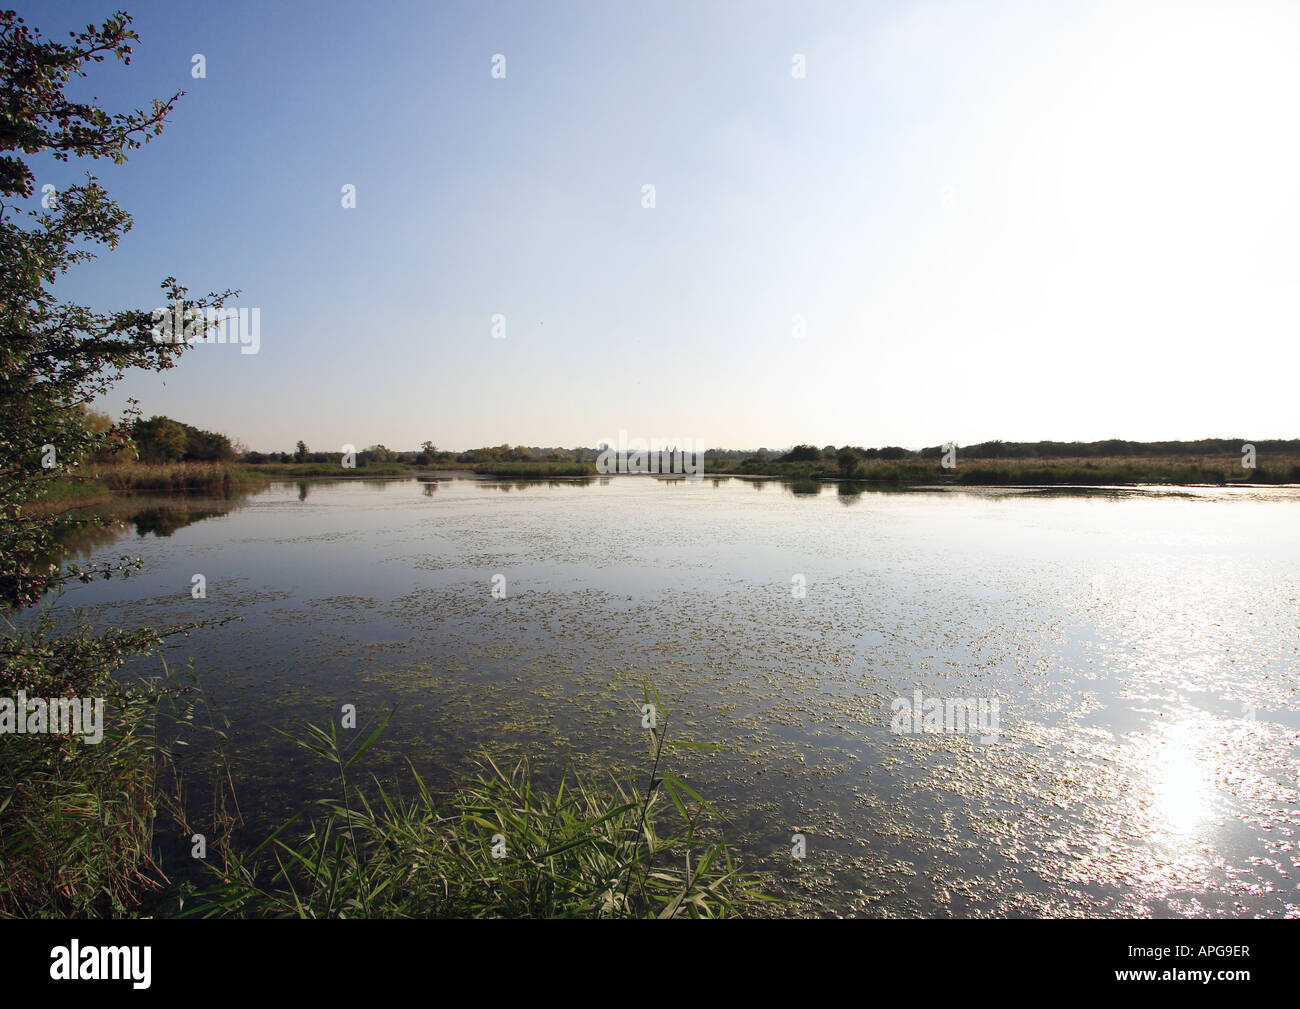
(212, 477)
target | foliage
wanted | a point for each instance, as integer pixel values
(802, 453)
(1116, 449)
(162, 440)
(75, 819)
(55, 357)
(376, 454)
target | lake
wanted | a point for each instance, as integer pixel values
(1128, 661)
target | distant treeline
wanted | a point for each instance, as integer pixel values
(1115, 448)
(503, 457)
(430, 455)
(1208, 460)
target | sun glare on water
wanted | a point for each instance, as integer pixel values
(1180, 787)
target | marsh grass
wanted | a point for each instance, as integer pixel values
(80, 822)
(500, 847)
(535, 469)
(98, 484)
(212, 477)
(326, 469)
(77, 819)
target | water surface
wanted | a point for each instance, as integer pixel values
(1143, 648)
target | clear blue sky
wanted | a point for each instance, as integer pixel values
(997, 220)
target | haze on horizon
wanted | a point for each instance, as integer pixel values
(997, 221)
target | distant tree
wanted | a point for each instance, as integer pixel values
(207, 446)
(802, 453)
(97, 422)
(111, 442)
(848, 460)
(160, 440)
(301, 454)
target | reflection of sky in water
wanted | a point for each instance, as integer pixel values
(1144, 649)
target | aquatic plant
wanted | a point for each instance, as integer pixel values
(501, 846)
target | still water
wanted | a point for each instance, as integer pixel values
(1134, 656)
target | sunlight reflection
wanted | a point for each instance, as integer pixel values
(1179, 784)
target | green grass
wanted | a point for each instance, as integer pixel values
(502, 847)
(65, 493)
(73, 490)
